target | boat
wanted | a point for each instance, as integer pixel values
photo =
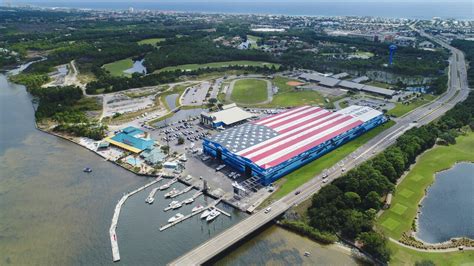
(213, 215)
(307, 253)
(205, 214)
(172, 193)
(197, 208)
(188, 201)
(165, 186)
(175, 218)
(149, 200)
(87, 170)
(177, 206)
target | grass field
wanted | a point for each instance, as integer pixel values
(152, 41)
(116, 68)
(398, 219)
(249, 91)
(297, 178)
(401, 109)
(253, 41)
(287, 96)
(406, 256)
(190, 67)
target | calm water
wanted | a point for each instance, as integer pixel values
(448, 209)
(50, 211)
(390, 9)
(137, 67)
(277, 246)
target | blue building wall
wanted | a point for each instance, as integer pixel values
(270, 175)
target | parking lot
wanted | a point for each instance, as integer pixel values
(195, 95)
(377, 104)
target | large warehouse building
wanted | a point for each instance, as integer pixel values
(276, 145)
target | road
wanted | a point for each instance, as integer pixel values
(457, 91)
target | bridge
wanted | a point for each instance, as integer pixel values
(457, 91)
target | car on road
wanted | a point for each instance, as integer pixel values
(343, 169)
(297, 192)
(267, 210)
(325, 180)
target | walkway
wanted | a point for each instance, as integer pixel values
(118, 207)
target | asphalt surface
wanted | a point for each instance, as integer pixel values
(457, 91)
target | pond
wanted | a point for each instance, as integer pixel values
(448, 208)
(137, 67)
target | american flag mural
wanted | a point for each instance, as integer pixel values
(272, 140)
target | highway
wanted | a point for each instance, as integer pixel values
(457, 91)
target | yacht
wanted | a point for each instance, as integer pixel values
(175, 204)
(165, 186)
(205, 214)
(197, 208)
(175, 218)
(212, 215)
(188, 201)
(173, 192)
(149, 200)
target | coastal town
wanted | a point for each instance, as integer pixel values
(314, 123)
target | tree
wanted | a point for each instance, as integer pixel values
(375, 244)
(180, 141)
(372, 200)
(166, 149)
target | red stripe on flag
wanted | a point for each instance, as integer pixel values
(287, 144)
(281, 115)
(309, 121)
(290, 135)
(310, 145)
(281, 123)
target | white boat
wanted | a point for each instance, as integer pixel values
(149, 200)
(205, 214)
(165, 186)
(213, 215)
(173, 192)
(188, 201)
(197, 208)
(174, 202)
(175, 218)
(177, 206)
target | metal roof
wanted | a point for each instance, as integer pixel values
(275, 139)
(230, 115)
(378, 90)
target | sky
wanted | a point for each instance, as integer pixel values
(230, 1)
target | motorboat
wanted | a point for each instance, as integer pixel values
(197, 208)
(213, 215)
(175, 204)
(87, 170)
(165, 186)
(205, 214)
(188, 201)
(150, 200)
(175, 218)
(172, 193)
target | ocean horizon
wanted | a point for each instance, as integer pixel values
(409, 10)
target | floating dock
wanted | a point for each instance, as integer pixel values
(164, 227)
(152, 193)
(174, 180)
(195, 196)
(118, 207)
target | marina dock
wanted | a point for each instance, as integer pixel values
(212, 205)
(174, 180)
(153, 192)
(118, 207)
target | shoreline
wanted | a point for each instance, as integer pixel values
(420, 205)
